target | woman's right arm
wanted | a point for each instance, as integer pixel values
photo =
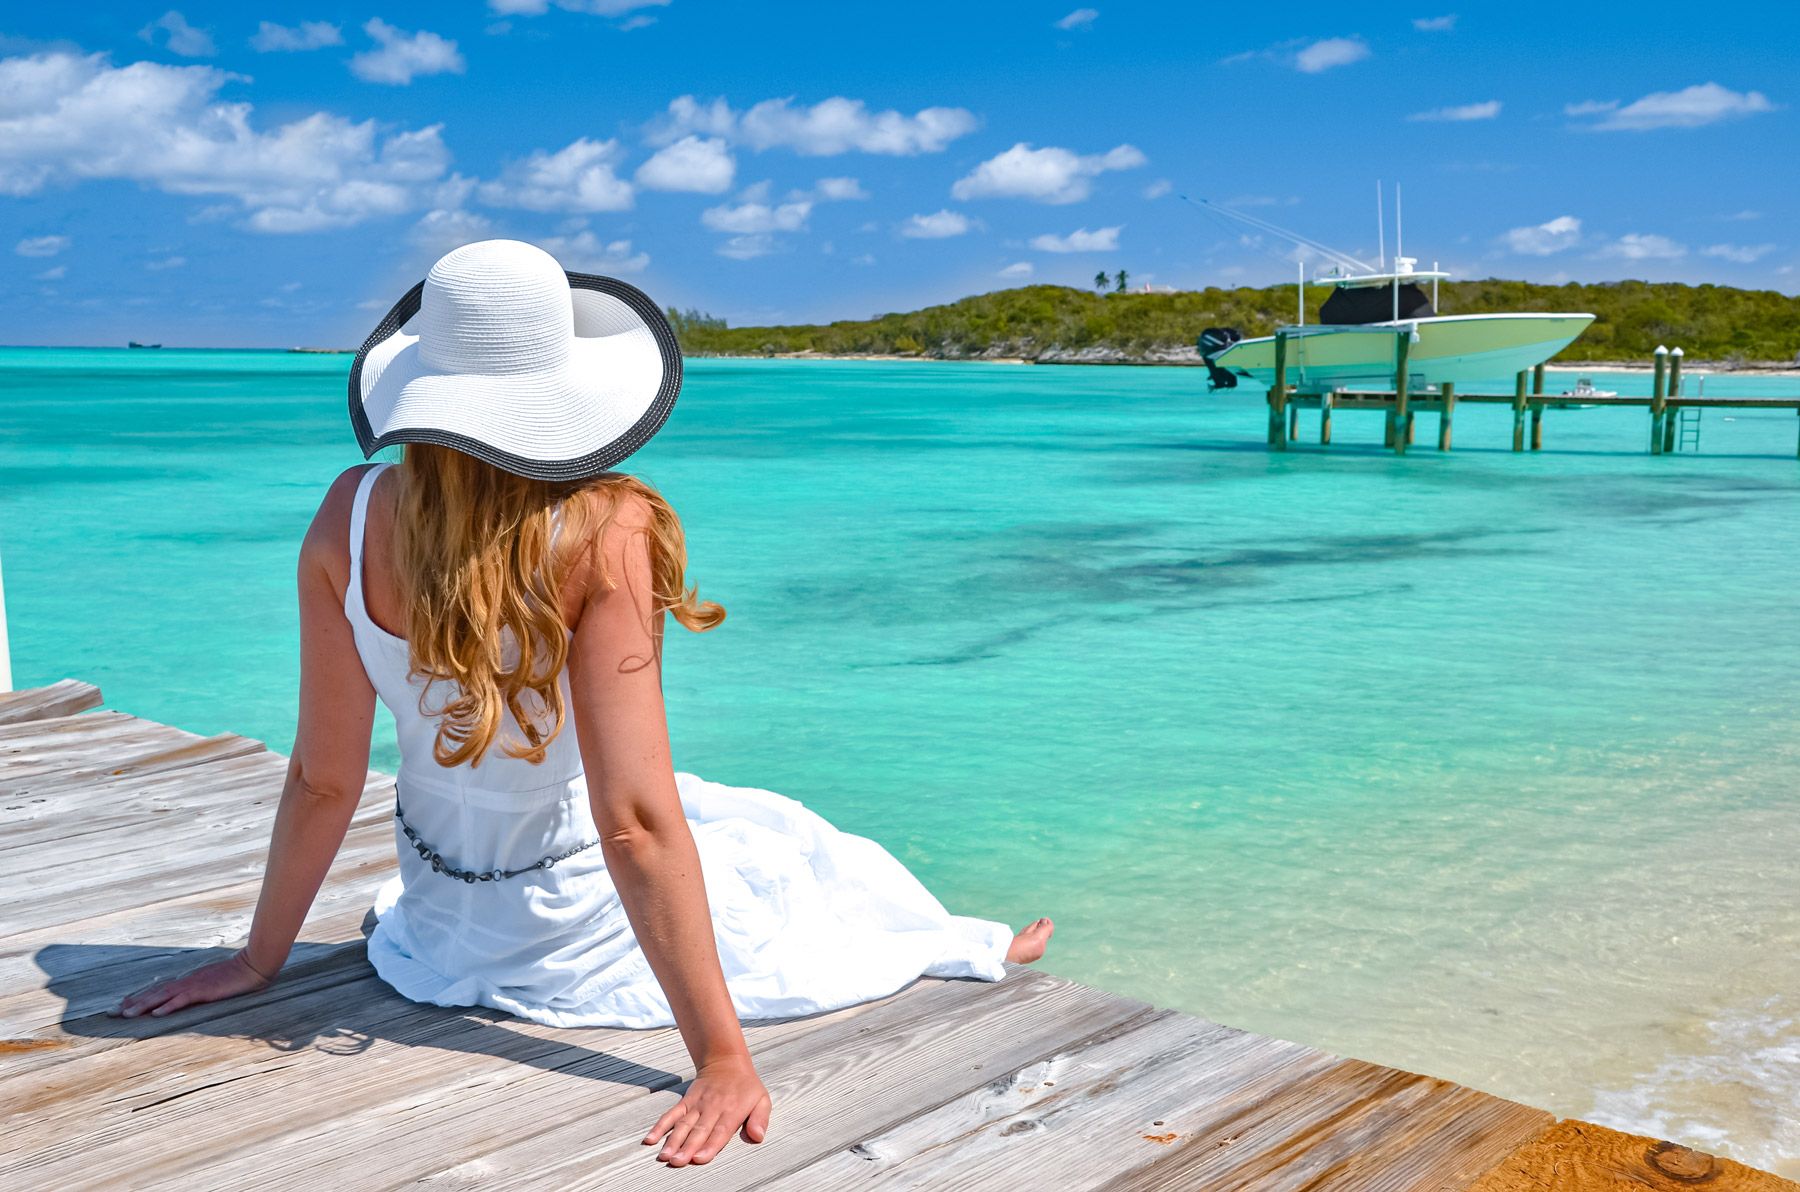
(615, 674)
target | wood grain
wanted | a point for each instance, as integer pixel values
(1577, 1156)
(61, 698)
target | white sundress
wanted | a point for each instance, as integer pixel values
(807, 918)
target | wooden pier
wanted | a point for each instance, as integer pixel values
(133, 851)
(1401, 404)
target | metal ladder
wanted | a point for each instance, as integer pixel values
(1687, 428)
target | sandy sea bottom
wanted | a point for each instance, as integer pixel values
(1477, 764)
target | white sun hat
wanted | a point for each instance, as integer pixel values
(503, 355)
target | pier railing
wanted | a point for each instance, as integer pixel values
(1666, 403)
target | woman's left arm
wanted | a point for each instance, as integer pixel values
(325, 775)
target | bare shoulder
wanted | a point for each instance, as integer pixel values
(618, 524)
(327, 540)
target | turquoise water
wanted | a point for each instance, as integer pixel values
(1479, 764)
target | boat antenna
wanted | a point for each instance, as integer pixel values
(1398, 227)
(1380, 229)
(1341, 259)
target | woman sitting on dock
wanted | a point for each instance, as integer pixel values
(498, 588)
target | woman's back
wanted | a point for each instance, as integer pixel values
(385, 657)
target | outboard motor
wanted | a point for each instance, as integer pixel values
(1213, 341)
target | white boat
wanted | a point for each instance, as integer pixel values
(1355, 341)
(1577, 393)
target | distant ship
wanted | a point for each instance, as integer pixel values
(135, 344)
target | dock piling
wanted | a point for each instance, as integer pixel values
(1325, 419)
(1519, 383)
(1278, 395)
(1659, 395)
(1400, 417)
(1537, 408)
(1672, 414)
(1449, 411)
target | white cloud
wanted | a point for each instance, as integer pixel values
(1468, 111)
(1309, 56)
(839, 189)
(936, 226)
(42, 246)
(444, 228)
(1739, 216)
(307, 35)
(69, 118)
(864, 259)
(179, 37)
(599, 8)
(54, 273)
(1442, 24)
(579, 177)
(165, 263)
(827, 128)
(1017, 269)
(746, 248)
(1328, 52)
(1081, 18)
(757, 218)
(1635, 246)
(702, 166)
(403, 57)
(585, 252)
(1048, 175)
(1742, 254)
(1691, 107)
(1543, 239)
(1080, 240)
(1158, 189)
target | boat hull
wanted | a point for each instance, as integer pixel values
(1461, 349)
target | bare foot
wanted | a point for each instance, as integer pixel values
(1028, 946)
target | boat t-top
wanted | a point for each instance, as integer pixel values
(1353, 343)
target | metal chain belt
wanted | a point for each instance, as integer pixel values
(439, 865)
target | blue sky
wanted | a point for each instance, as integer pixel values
(232, 174)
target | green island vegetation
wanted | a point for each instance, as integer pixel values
(1045, 322)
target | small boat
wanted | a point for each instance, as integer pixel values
(135, 344)
(1354, 343)
(1574, 396)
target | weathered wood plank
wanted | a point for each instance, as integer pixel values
(1577, 1156)
(1311, 1133)
(418, 1052)
(832, 1087)
(62, 698)
(1079, 1117)
(59, 772)
(109, 888)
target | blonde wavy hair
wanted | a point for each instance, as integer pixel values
(475, 559)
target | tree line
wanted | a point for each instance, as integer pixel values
(1631, 318)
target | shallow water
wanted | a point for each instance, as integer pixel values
(1478, 764)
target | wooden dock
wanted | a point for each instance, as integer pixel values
(132, 851)
(1667, 405)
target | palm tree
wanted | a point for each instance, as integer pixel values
(1123, 278)
(1101, 280)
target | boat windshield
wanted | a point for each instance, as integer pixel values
(1374, 304)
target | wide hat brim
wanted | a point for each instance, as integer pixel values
(575, 419)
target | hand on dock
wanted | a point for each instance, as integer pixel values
(211, 982)
(723, 1099)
